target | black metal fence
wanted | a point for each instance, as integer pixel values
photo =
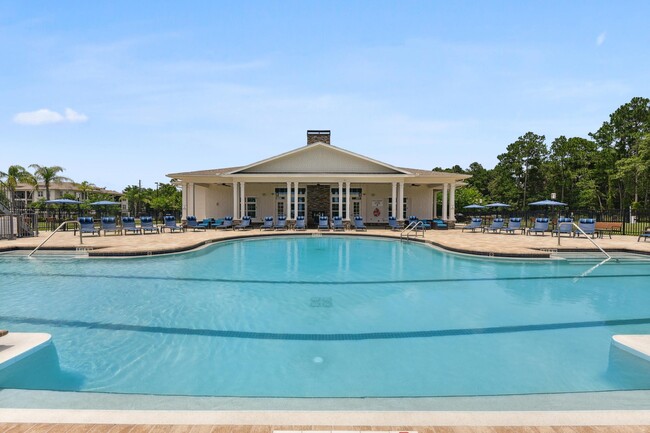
(18, 225)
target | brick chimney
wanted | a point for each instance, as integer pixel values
(314, 136)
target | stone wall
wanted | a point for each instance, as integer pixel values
(322, 136)
(318, 202)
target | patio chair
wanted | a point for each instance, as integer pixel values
(281, 224)
(337, 224)
(128, 225)
(87, 225)
(564, 226)
(393, 224)
(170, 224)
(146, 225)
(359, 225)
(206, 223)
(300, 223)
(268, 223)
(495, 227)
(439, 224)
(541, 226)
(245, 223)
(514, 224)
(474, 225)
(323, 223)
(424, 224)
(108, 224)
(645, 235)
(587, 225)
(193, 224)
(226, 224)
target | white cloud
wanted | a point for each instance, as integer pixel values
(45, 116)
(601, 38)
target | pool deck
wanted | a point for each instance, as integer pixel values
(484, 244)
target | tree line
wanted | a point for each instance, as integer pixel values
(609, 170)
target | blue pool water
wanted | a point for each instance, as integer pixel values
(324, 316)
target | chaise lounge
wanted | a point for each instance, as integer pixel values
(541, 226)
(146, 225)
(514, 224)
(495, 227)
(128, 225)
(359, 225)
(86, 225)
(337, 224)
(645, 235)
(245, 224)
(564, 226)
(474, 225)
(300, 223)
(323, 223)
(170, 224)
(108, 224)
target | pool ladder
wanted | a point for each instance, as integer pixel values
(54, 232)
(413, 227)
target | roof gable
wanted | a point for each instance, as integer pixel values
(319, 158)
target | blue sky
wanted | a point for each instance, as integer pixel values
(123, 91)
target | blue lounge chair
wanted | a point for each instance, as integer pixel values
(393, 224)
(225, 224)
(564, 226)
(337, 224)
(588, 226)
(645, 235)
(424, 224)
(439, 224)
(87, 225)
(359, 225)
(514, 224)
(474, 225)
(300, 223)
(495, 227)
(282, 223)
(193, 224)
(170, 224)
(245, 223)
(146, 225)
(323, 223)
(268, 223)
(206, 223)
(128, 225)
(541, 226)
(108, 224)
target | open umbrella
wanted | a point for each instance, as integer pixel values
(473, 206)
(550, 203)
(497, 205)
(63, 201)
(104, 203)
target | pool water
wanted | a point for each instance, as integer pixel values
(329, 316)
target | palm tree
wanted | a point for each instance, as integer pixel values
(48, 175)
(86, 187)
(16, 174)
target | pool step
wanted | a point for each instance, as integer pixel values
(76, 253)
(593, 256)
(638, 345)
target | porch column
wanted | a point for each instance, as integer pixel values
(452, 202)
(288, 205)
(295, 200)
(235, 199)
(185, 195)
(191, 208)
(242, 198)
(401, 202)
(435, 203)
(445, 186)
(393, 211)
(341, 199)
(348, 201)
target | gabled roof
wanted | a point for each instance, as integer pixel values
(319, 158)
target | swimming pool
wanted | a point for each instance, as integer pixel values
(329, 316)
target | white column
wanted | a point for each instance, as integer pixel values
(235, 199)
(294, 208)
(452, 202)
(435, 203)
(242, 199)
(341, 199)
(185, 198)
(445, 186)
(191, 208)
(393, 211)
(348, 201)
(401, 201)
(288, 204)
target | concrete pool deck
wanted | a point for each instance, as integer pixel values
(484, 244)
(466, 419)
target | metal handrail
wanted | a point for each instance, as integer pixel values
(413, 225)
(586, 236)
(54, 232)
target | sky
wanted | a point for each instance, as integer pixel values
(119, 92)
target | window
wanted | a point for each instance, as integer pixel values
(251, 207)
(282, 205)
(355, 199)
(280, 209)
(40, 194)
(390, 207)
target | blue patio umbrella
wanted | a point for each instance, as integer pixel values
(62, 201)
(547, 203)
(104, 203)
(497, 205)
(473, 206)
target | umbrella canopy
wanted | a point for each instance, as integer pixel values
(547, 203)
(63, 201)
(473, 206)
(497, 205)
(104, 203)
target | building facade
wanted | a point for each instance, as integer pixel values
(319, 179)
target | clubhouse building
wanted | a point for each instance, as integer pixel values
(319, 179)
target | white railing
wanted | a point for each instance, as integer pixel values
(54, 232)
(586, 236)
(414, 226)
